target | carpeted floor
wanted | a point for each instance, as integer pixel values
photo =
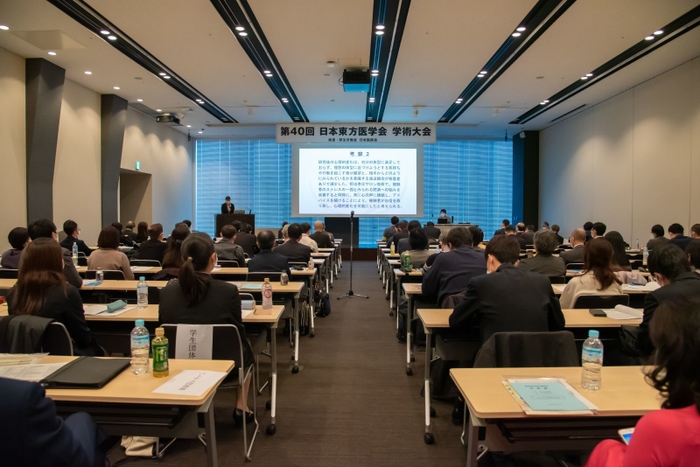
(352, 403)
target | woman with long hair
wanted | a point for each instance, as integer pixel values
(42, 290)
(667, 437)
(621, 264)
(196, 298)
(107, 256)
(598, 276)
(172, 258)
(142, 232)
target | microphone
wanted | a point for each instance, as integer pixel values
(352, 214)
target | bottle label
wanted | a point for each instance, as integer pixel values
(592, 355)
(139, 341)
(267, 293)
(160, 357)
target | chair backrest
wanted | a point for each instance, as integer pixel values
(575, 266)
(22, 333)
(601, 301)
(204, 342)
(82, 260)
(56, 340)
(298, 263)
(110, 275)
(153, 295)
(261, 276)
(528, 349)
(8, 273)
(229, 263)
(154, 263)
(636, 264)
(557, 279)
(247, 297)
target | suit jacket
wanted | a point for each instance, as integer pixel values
(294, 251)
(82, 247)
(686, 285)
(322, 239)
(656, 242)
(521, 241)
(432, 232)
(248, 242)
(547, 265)
(574, 255)
(680, 240)
(220, 305)
(152, 249)
(403, 245)
(269, 261)
(32, 434)
(227, 250)
(509, 300)
(225, 210)
(451, 272)
(499, 232)
(389, 232)
(528, 237)
(69, 270)
(395, 239)
(10, 259)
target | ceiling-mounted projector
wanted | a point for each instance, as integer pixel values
(356, 80)
(168, 119)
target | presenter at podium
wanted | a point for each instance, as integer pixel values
(227, 207)
(443, 219)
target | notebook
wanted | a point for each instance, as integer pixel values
(86, 373)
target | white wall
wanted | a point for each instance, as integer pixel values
(13, 160)
(630, 161)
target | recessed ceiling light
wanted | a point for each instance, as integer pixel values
(658, 33)
(4, 28)
(88, 72)
(584, 77)
(543, 103)
(371, 99)
(189, 126)
(166, 77)
(379, 32)
(483, 72)
(649, 38)
(589, 74)
(139, 100)
(162, 73)
(480, 76)
(520, 29)
(159, 110)
(240, 28)
(112, 38)
(458, 101)
(284, 99)
(379, 27)
(242, 34)
(117, 88)
(546, 101)
(200, 132)
(104, 32)
(52, 53)
(516, 34)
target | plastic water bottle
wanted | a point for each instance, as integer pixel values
(99, 275)
(311, 263)
(142, 293)
(437, 248)
(637, 244)
(645, 256)
(592, 358)
(139, 348)
(267, 294)
(284, 279)
(75, 254)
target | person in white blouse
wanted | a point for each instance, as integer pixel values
(598, 277)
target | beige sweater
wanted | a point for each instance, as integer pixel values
(585, 284)
(110, 260)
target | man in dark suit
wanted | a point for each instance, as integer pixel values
(451, 271)
(401, 232)
(544, 263)
(32, 434)
(658, 240)
(575, 254)
(431, 231)
(70, 228)
(322, 239)
(501, 231)
(129, 230)
(246, 240)
(598, 230)
(45, 228)
(675, 231)
(292, 249)
(154, 247)
(227, 207)
(391, 230)
(509, 299)
(268, 260)
(123, 238)
(226, 249)
(528, 235)
(509, 231)
(669, 266)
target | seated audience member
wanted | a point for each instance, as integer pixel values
(403, 244)
(658, 238)
(419, 243)
(598, 230)
(508, 299)
(477, 236)
(107, 256)
(545, 225)
(669, 266)
(124, 239)
(401, 232)
(188, 223)
(320, 236)
(621, 264)
(154, 247)
(194, 298)
(268, 260)
(666, 437)
(245, 239)
(295, 251)
(501, 231)
(587, 227)
(529, 235)
(44, 228)
(431, 231)
(226, 249)
(330, 234)
(509, 230)
(18, 239)
(695, 231)
(172, 258)
(598, 278)
(70, 228)
(34, 435)
(306, 239)
(41, 290)
(577, 241)
(555, 229)
(279, 232)
(675, 232)
(391, 230)
(452, 270)
(142, 232)
(693, 253)
(544, 263)
(129, 230)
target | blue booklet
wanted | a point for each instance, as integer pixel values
(251, 287)
(547, 395)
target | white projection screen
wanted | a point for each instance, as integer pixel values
(372, 181)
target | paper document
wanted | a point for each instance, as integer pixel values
(245, 313)
(648, 286)
(624, 312)
(546, 395)
(92, 310)
(190, 383)
(140, 268)
(251, 287)
(32, 372)
(11, 359)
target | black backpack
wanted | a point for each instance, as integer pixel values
(323, 303)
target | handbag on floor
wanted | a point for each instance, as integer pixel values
(140, 446)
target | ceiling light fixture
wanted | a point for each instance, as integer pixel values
(480, 76)
(4, 28)
(649, 38)
(117, 88)
(658, 33)
(240, 28)
(88, 72)
(189, 126)
(285, 100)
(242, 34)
(166, 77)
(139, 100)
(371, 99)
(159, 110)
(379, 27)
(521, 29)
(584, 77)
(112, 38)
(162, 74)
(482, 72)
(589, 74)
(516, 34)
(200, 132)
(379, 32)
(52, 53)
(104, 32)
(458, 101)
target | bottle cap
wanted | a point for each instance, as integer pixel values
(160, 332)
(142, 278)
(593, 333)
(139, 322)
(267, 279)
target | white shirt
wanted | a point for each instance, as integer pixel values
(310, 242)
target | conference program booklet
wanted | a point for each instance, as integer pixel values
(548, 396)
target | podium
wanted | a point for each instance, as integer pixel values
(223, 219)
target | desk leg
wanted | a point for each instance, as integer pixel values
(329, 268)
(297, 311)
(210, 431)
(472, 444)
(311, 305)
(397, 294)
(272, 427)
(428, 437)
(409, 318)
(392, 280)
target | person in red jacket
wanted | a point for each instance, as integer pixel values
(667, 437)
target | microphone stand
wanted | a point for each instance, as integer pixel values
(350, 293)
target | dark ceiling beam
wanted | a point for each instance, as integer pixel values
(388, 23)
(105, 30)
(537, 21)
(653, 41)
(241, 21)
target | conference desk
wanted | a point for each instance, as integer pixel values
(127, 406)
(624, 397)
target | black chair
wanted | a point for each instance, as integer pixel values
(229, 263)
(8, 273)
(151, 263)
(31, 334)
(56, 340)
(110, 275)
(153, 295)
(557, 279)
(261, 276)
(528, 349)
(82, 259)
(601, 301)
